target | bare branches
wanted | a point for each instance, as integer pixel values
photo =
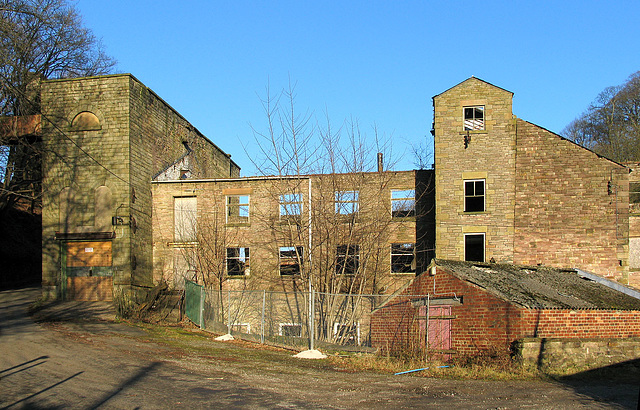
(39, 39)
(298, 143)
(611, 124)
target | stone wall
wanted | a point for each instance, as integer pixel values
(489, 155)
(265, 231)
(100, 164)
(547, 200)
(80, 160)
(575, 355)
(571, 205)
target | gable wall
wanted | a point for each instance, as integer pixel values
(566, 215)
(483, 322)
(67, 165)
(490, 155)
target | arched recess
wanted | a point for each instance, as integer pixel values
(86, 121)
(103, 209)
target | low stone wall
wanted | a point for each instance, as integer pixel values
(567, 355)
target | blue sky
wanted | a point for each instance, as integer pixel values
(376, 62)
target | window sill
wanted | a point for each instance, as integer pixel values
(237, 224)
(182, 244)
(403, 273)
(474, 213)
(403, 218)
(237, 276)
(474, 132)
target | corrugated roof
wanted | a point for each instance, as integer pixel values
(540, 287)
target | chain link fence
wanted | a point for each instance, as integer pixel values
(293, 319)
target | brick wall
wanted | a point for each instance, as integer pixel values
(485, 323)
(571, 205)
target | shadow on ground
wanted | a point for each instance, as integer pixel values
(597, 383)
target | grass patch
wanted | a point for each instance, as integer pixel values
(476, 369)
(203, 344)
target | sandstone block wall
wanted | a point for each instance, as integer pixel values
(571, 205)
(133, 137)
(373, 229)
(81, 161)
(489, 155)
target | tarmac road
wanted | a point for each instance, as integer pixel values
(91, 363)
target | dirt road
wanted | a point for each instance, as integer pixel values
(94, 364)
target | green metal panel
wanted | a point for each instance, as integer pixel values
(192, 301)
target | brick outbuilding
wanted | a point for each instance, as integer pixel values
(480, 308)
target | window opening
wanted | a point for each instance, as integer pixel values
(474, 118)
(634, 192)
(403, 203)
(347, 334)
(290, 205)
(474, 195)
(474, 247)
(290, 260)
(403, 258)
(347, 259)
(237, 261)
(184, 212)
(290, 329)
(238, 209)
(241, 328)
(346, 202)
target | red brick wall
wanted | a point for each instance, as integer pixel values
(557, 323)
(485, 323)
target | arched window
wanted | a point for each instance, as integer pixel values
(86, 121)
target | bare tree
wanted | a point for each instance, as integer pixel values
(344, 231)
(39, 39)
(611, 124)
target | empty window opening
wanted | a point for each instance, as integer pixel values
(474, 195)
(290, 205)
(237, 208)
(403, 258)
(290, 260)
(347, 259)
(290, 329)
(474, 247)
(346, 202)
(634, 192)
(237, 261)
(474, 118)
(403, 203)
